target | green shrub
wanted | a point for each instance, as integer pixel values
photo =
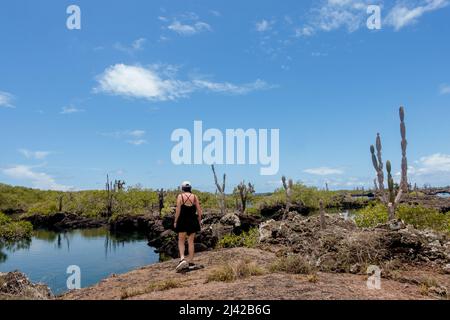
(419, 217)
(246, 239)
(222, 274)
(12, 230)
(423, 218)
(301, 194)
(294, 264)
(253, 211)
(371, 216)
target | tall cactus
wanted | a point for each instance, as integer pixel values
(109, 196)
(377, 162)
(392, 197)
(221, 191)
(404, 144)
(322, 215)
(288, 186)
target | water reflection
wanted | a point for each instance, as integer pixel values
(98, 252)
(112, 240)
(12, 247)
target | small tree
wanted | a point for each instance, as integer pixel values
(244, 191)
(60, 201)
(392, 196)
(220, 191)
(161, 195)
(119, 185)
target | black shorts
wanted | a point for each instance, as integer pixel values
(188, 223)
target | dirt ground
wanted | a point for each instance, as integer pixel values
(161, 282)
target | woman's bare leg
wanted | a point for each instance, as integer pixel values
(182, 244)
(191, 247)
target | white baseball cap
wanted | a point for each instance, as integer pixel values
(186, 184)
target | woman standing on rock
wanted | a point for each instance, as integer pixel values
(188, 218)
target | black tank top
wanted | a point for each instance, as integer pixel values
(188, 210)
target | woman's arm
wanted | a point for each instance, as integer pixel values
(177, 212)
(199, 209)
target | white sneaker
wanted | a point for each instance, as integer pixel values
(182, 265)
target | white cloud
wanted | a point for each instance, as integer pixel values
(39, 180)
(70, 110)
(324, 171)
(136, 45)
(137, 142)
(6, 99)
(263, 25)
(330, 15)
(139, 82)
(186, 24)
(134, 137)
(335, 14)
(444, 89)
(433, 169)
(125, 133)
(304, 32)
(189, 29)
(226, 87)
(435, 163)
(404, 13)
(38, 155)
(136, 133)
(158, 83)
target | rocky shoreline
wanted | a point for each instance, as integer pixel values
(338, 255)
(16, 286)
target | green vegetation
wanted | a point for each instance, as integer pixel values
(301, 194)
(246, 239)
(371, 216)
(136, 200)
(93, 203)
(293, 264)
(419, 217)
(425, 218)
(12, 230)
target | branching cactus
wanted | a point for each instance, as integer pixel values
(244, 191)
(288, 186)
(221, 191)
(322, 215)
(392, 197)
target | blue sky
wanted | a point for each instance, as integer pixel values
(78, 104)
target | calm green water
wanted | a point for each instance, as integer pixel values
(98, 252)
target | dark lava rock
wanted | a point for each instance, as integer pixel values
(15, 286)
(127, 223)
(64, 221)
